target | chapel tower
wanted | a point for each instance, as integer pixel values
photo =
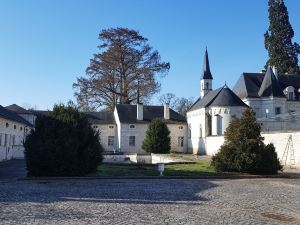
(206, 78)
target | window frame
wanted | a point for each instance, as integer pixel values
(277, 110)
(180, 141)
(131, 141)
(110, 140)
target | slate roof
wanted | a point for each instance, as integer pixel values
(221, 97)
(249, 84)
(103, 117)
(128, 114)
(270, 85)
(10, 115)
(18, 109)
(206, 68)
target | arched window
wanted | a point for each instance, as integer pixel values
(207, 84)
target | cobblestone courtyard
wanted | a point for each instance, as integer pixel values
(254, 201)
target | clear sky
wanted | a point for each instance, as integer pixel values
(45, 45)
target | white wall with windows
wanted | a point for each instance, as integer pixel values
(133, 135)
(12, 135)
(108, 136)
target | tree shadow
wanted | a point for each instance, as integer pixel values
(148, 191)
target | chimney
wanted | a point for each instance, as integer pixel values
(166, 112)
(139, 111)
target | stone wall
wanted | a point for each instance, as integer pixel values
(211, 145)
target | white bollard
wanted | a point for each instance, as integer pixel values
(161, 168)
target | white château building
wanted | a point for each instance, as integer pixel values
(124, 130)
(13, 130)
(274, 97)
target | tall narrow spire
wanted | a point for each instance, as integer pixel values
(206, 69)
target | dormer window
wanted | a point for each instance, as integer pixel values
(290, 93)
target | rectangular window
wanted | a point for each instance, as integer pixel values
(180, 141)
(277, 110)
(13, 140)
(110, 140)
(0, 139)
(131, 140)
(291, 96)
(5, 139)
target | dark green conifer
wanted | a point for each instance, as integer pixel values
(283, 53)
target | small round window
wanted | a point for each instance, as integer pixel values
(131, 126)
(180, 127)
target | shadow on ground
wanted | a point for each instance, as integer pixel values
(13, 169)
(106, 191)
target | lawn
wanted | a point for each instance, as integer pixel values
(198, 168)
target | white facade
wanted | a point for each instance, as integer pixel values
(206, 86)
(12, 135)
(128, 137)
(133, 135)
(108, 136)
(211, 121)
(210, 145)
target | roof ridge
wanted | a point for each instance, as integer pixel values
(270, 85)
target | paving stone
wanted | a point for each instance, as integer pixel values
(118, 202)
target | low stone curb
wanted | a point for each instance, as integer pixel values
(246, 176)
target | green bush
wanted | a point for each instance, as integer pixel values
(244, 149)
(157, 138)
(62, 144)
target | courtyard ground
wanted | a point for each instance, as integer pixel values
(150, 201)
(113, 201)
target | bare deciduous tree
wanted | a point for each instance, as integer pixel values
(125, 71)
(180, 105)
(170, 99)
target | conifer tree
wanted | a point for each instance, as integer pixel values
(157, 138)
(244, 149)
(283, 53)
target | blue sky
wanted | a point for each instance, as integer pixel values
(45, 45)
